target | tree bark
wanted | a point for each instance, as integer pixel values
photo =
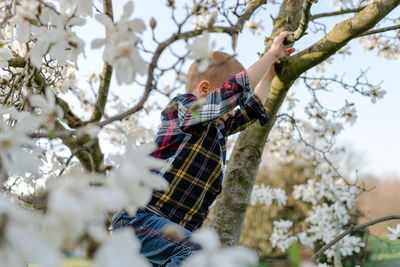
(229, 211)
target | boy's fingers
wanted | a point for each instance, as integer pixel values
(231, 113)
(281, 37)
(289, 51)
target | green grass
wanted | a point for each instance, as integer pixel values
(384, 252)
(381, 247)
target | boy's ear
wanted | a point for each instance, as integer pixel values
(204, 88)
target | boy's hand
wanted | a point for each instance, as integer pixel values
(225, 117)
(277, 48)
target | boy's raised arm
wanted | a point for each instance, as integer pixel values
(256, 71)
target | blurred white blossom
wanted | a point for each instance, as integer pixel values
(375, 94)
(60, 42)
(79, 7)
(265, 195)
(212, 255)
(395, 232)
(201, 51)
(21, 238)
(281, 237)
(48, 110)
(121, 45)
(5, 55)
(15, 144)
(133, 179)
(120, 249)
(255, 27)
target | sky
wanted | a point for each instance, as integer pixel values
(375, 138)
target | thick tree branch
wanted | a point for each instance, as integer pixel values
(340, 35)
(336, 13)
(105, 78)
(351, 230)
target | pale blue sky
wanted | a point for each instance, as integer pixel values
(375, 136)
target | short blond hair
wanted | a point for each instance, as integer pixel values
(223, 66)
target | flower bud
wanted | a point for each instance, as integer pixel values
(153, 23)
(170, 3)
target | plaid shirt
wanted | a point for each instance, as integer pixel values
(195, 146)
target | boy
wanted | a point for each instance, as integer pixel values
(192, 138)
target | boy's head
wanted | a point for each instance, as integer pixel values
(203, 83)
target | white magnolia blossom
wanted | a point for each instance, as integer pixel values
(121, 45)
(395, 232)
(78, 208)
(212, 255)
(75, 208)
(349, 112)
(388, 48)
(201, 51)
(255, 27)
(21, 239)
(60, 41)
(48, 110)
(26, 13)
(281, 237)
(133, 179)
(90, 130)
(120, 249)
(324, 220)
(327, 187)
(15, 144)
(79, 7)
(266, 195)
(5, 55)
(68, 81)
(375, 94)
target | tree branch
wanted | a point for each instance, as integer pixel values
(340, 12)
(105, 78)
(353, 229)
(338, 37)
(385, 29)
(305, 19)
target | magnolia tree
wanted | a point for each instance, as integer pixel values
(43, 139)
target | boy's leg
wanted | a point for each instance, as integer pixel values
(159, 249)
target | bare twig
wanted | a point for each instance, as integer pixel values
(385, 29)
(340, 12)
(105, 78)
(353, 229)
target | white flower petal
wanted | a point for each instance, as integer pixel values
(97, 43)
(105, 20)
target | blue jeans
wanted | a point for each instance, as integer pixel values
(156, 247)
